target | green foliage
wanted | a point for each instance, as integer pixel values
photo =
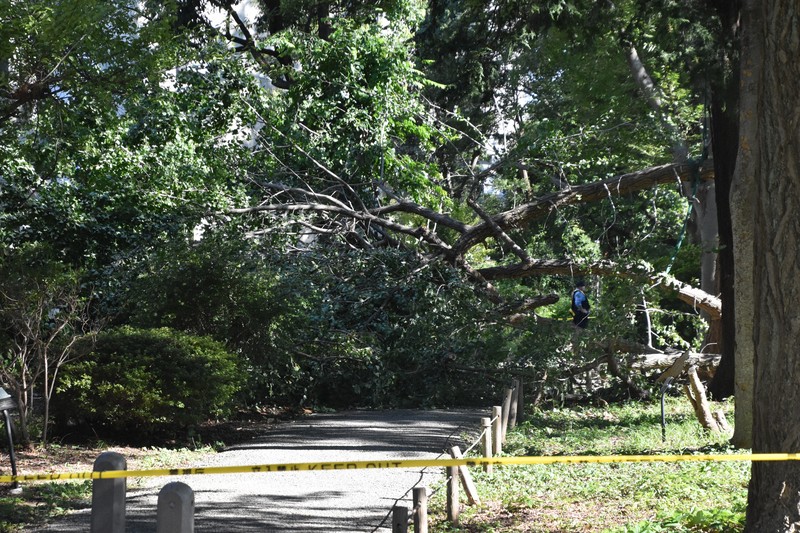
(353, 113)
(702, 521)
(408, 330)
(578, 245)
(323, 326)
(153, 125)
(108, 148)
(147, 383)
(44, 310)
(230, 289)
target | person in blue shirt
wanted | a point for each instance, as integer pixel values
(580, 305)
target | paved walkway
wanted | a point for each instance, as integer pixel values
(311, 501)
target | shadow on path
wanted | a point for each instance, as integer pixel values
(310, 501)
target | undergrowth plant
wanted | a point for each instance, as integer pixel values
(627, 497)
(42, 501)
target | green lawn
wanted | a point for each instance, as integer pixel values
(617, 497)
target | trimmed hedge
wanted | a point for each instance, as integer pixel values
(146, 383)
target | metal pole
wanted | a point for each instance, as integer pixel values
(15, 487)
(664, 389)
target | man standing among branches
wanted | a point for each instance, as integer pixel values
(580, 305)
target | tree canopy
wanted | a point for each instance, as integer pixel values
(352, 194)
(358, 196)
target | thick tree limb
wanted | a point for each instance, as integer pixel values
(518, 312)
(697, 396)
(591, 192)
(654, 99)
(675, 369)
(406, 206)
(559, 267)
(498, 226)
(662, 361)
(552, 267)
(643, 79)
(501, 235)
(694, 297)
(518, 217)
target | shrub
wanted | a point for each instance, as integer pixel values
(147, 382)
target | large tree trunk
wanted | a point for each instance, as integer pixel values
(770, 146)
(742, 195)
(725, 145)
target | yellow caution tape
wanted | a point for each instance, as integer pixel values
(403, 463)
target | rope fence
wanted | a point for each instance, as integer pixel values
(407, 463)
(176, 500)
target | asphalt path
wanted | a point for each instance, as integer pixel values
(311, 501)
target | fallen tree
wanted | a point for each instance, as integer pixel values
(341, 211)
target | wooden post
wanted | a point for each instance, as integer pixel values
(420, 500)
(506, 409)
(466, 478)
(497, 429)
(486, 428)
(512, 408)
(520, 401)
(453, 506)
(399, 519)
(108, 495)
(175, 509)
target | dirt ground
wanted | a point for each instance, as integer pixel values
(62, 456)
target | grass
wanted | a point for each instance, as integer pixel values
(40, 502)
(619, 497)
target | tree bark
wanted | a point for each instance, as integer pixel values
(662, 361)
(770, 146)
(742, 198)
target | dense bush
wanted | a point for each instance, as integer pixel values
(322, 326)
(147, 383)
(338, 328)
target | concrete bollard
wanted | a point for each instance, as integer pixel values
(108, 495)
(175, 510)
(399, 519)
